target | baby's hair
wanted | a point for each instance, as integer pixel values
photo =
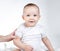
(31, 4)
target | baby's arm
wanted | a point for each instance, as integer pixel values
(47, 43)
(21, 45)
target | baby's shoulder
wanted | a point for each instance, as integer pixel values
(20, 27)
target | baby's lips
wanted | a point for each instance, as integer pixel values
(31, 21)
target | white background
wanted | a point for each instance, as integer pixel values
(11, 17)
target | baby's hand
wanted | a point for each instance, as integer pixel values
(28, 48)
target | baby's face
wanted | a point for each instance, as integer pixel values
(31, 16)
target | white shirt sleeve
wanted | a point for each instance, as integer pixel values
(18, 32)
(43, 35)
(43, 32)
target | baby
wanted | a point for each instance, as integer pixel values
(30, 34)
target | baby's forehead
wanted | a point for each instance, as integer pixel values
(31, 8)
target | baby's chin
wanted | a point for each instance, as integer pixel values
(32, 25)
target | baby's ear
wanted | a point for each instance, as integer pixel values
(39, 16)
(22, 16)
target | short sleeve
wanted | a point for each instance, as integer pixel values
(42, 31)
(18, 32)
(43, 35)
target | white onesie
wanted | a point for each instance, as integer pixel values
(31, 36)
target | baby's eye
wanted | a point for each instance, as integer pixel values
(35, 15)
(28, 15)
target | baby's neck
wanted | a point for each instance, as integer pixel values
(28, 25)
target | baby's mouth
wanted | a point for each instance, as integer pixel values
(31, 21)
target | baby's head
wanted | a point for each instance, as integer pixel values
(31, 14)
